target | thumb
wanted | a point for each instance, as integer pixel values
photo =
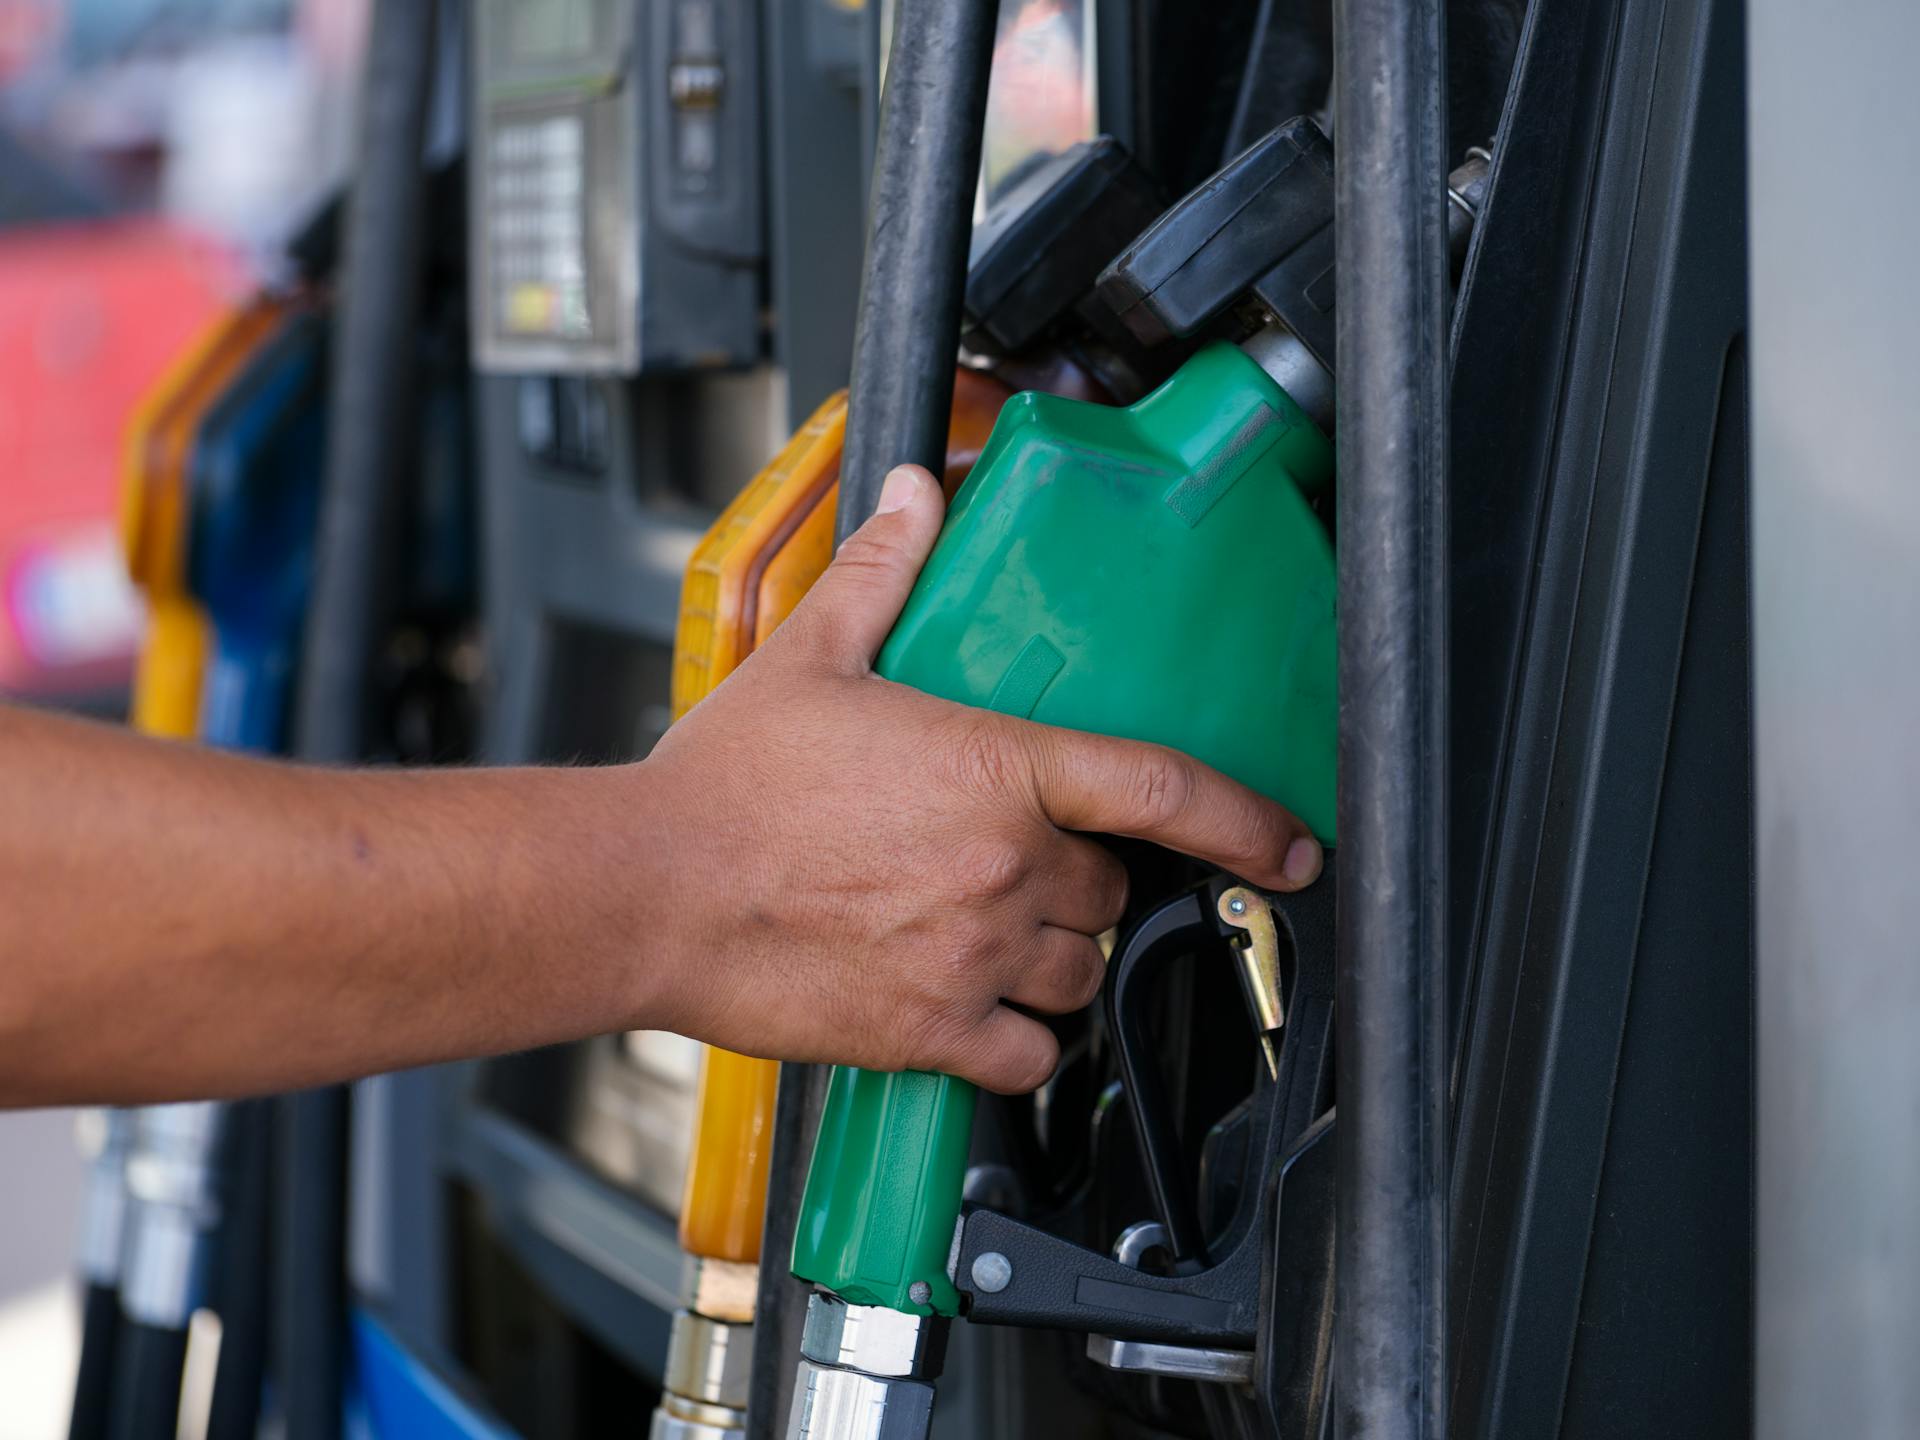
(851, 608)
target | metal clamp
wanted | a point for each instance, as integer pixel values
(873, 1338)
(830, 1404)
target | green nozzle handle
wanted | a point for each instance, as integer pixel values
(1155, 572)
(883, 1196)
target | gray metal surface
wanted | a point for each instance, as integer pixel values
(563, 550)
(815, 192)
(708, 1360)
(398, 1250)
(106, 1137)
(831, 1404)
(608, 1259)
(1836, 530)
(174, 1209)
(873, 1339)
(1181, 1362)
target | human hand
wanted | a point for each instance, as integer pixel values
(863, 873)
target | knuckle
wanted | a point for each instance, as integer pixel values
(1090, 977)
(1162, 786)
(1114, 891)
(968, 971)
(1033, 1065)
(990, 869)
(866, 555)
(926, 1035)
(1259, 835)
(979, 759)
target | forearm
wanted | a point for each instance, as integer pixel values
(184, 922)
(815, 864)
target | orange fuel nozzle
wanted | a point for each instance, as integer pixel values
(153, 515)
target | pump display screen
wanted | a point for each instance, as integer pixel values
(555, 215)
(541, 31)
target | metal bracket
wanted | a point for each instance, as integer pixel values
(1181, 1362)
(1245, 909)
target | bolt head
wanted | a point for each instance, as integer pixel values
(1237, 905)
(920, 1292)
(992, 1272)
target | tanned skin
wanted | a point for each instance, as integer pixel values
(815, 864)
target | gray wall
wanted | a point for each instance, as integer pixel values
(40, 1174)
(1836, 518)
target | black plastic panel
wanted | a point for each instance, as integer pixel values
(1601, 1221)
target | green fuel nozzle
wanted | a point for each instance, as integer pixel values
(1096, 572)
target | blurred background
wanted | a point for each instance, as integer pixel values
(155, 156)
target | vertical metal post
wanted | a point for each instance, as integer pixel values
(1391, 272)
(371, 401)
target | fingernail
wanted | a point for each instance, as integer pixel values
(898, 490)
(1302, 864)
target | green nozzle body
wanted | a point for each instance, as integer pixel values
(1155, 572)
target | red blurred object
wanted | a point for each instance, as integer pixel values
(91, 316)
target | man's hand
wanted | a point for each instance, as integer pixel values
(867, 874)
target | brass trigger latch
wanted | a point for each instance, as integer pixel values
(1259, 956)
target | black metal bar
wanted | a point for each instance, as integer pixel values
(99, 1338)
(146, 1387)
(243, 1295)
(1392, 298)
(780, 1304)
(926, 165)
(371, 402)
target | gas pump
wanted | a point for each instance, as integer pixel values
(620, 232)
(1233, 445)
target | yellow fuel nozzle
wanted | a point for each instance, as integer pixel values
(745, 553)
(153, 517)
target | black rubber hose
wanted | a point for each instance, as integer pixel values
(369, 431)
(99, 1337)
(1391, 299)
(309, 1272)
(146, 1386)
(919, 223)
(371, 396)
(780, 1304)
(242, 1297)
(926, 166)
